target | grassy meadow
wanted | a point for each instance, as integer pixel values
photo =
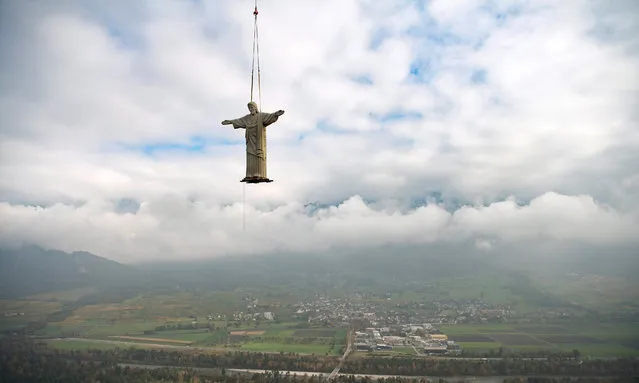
(135, 321)
(591, 340)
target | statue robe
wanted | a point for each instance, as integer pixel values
(255, 133)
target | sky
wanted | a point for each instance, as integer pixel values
(501, 123)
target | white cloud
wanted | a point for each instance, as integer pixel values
(554, 123)
(172, 225)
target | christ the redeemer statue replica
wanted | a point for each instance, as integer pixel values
(255, 124)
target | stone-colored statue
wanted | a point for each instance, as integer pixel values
(255, 124)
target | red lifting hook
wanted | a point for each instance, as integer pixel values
(255, 11)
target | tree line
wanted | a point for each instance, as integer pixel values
(27, 367)
(627, 367)
(40, 354)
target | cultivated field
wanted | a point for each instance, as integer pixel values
(21, 312)
(63, 296)
(167, 319)
(80, 345)
(248, 333)
(395, 352)
(607, 293)
(303, 341)
(149, 339)
(592, 340)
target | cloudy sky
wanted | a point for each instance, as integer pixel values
(504, 123)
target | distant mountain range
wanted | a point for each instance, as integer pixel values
(32, 270)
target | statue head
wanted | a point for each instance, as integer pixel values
(252, 107)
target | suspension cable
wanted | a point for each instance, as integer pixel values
(256, 57)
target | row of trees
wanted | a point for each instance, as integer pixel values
(628, 367)
(519, 353)
(25, 366)
(502, 367)
(252, 360)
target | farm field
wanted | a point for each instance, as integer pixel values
(137, 319)
(590, 340)
(398, 351)
(317, 349)
(303, 341)
(404, 350)
(25, 311)
(99, 329)
(111, 344)
(150, 339)
(80, 345)
(114, 322)
(201, 337)
(277, 341)
(62, 296)
(607, 293)
(131, 316)
(178, 306)
(110, 320)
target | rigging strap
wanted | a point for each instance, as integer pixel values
(256, 57)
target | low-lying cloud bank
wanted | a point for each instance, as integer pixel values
(176, 228)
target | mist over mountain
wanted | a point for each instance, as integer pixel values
(32, 269)
(609, 260)
(441, 272)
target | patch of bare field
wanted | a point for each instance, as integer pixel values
(256, 332)
(28, 307)
(161, 318)
(176, 306)
(151, 339)
(72, 320)
(91, 310)
(118, 308)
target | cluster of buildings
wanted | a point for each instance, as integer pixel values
(333, 311)
(473, 311)
(253, 312)
(379, 313)
(424, 339)
(382, 325)
(12, 314)
(343, 311)
(212, 317)
(241, 316)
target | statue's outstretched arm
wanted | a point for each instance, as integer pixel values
(238, 123)
(269, 118)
